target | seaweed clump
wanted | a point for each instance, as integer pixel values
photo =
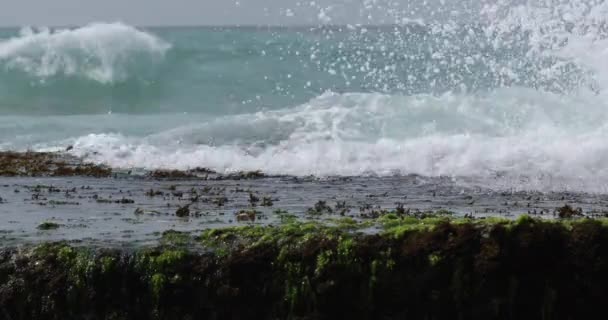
(430, 268)
(48, 226)
(567, 212)
(47, 164)
(172, 174)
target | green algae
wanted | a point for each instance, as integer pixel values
(175, 238)
(434, 267)
(323, 260)
(157, 283)
(107, 264)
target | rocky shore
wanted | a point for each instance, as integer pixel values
(249, 246)
(414, 268)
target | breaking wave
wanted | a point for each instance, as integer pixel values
(97, 52)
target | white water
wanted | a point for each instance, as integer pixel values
(511, 133)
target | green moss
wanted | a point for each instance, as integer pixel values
(345, 247)
(525, 219)
(66, 254)
(347, 223)
(382, 263)
(175, 238)
(79, 263)
(398, 230)
(299, 269)
(444, 212)
(493, 221)
(296, 284)
(253, 236)
(433, 221)
(323, 259)
(388, 217)
(157, 284)
(373, 273)
(434, 259)
(168, 258)
(107, 263)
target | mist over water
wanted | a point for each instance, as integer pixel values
(516, 99)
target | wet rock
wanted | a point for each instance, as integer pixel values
(253, 199)
(320, 208)
(267, 202)
(220, 201)
(48, 226)
(125, 201)
(153, 193)
(171, 174)
(241, 175)
(47, 164)
(432, 268)
(567, 212)
(246, 216)
(183, 211)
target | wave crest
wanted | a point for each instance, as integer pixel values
(101, 52)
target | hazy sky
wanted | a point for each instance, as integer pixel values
(205, 12)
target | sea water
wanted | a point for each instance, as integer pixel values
(516, 99)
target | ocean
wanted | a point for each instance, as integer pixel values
(516, 100)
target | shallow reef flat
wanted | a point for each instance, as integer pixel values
(198, 244)
(410, 268)
(57, 197)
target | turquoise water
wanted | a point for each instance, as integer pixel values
(117, 68)
(508, 97)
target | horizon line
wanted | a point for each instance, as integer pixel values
(217, 25)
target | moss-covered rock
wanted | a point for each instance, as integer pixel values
(431, 268)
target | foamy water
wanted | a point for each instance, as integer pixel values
(516, 100)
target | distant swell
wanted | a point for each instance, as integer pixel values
(83, 70)
(98, 52)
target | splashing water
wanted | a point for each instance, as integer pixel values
(516, 99)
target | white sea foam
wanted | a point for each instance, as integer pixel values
(515, 133)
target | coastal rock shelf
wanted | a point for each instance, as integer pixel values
(430, 268)
(82, 241)
(39, 203)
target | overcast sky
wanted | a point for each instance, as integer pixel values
(208, 12)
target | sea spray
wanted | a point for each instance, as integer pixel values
(515, 98)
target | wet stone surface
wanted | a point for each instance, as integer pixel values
(134, 210)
